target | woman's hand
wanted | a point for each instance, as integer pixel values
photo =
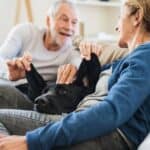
(86, 48)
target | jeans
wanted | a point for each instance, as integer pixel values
(18, 121)
(11, 97)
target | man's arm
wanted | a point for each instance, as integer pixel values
(12, 47)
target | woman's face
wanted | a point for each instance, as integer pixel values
(125, 27)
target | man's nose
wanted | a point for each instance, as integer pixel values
(69, 25)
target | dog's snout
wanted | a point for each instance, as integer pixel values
(41, 101)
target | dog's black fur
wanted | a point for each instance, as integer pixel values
(63, 98)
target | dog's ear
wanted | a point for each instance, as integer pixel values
(93, 71)
(35, 83)
(81, 73)
(88, 71)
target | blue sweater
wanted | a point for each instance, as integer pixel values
(126, 107)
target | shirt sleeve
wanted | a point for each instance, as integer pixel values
(123, 100)
(11, 47)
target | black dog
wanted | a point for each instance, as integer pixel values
(63, 98)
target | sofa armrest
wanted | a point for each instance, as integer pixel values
(145, 145)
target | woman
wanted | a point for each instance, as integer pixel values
(121, 121)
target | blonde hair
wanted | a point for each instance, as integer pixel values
(144, 6)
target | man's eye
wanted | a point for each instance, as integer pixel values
(65, 19)
(74, 22)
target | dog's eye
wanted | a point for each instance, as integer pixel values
(62, 92)
(65, 92)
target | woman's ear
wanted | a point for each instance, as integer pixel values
(138, 17)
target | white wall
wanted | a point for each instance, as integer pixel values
(7, 8)
(99, 19)
(96, 18)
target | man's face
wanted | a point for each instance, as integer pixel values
(64, 25)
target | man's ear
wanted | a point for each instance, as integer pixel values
(48, 21)
(138, 17)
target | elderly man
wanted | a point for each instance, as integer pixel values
(47, 48)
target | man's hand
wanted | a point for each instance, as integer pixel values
(18, 66)
(13, 143)
(66, 74)
(86, 48)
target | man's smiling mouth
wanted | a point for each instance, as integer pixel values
(65, 34)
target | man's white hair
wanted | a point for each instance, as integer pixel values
(55, 6)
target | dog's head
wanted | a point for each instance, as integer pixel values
(63, 98)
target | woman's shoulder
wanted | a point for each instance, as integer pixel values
(141, 54)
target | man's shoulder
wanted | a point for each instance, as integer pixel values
(26, 26)
(27, 30)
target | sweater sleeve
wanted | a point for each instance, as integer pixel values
(123, 100)
(12, 47)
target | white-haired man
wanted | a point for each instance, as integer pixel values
(48, 48)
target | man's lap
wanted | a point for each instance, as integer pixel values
(20, 121)
(11, 97)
